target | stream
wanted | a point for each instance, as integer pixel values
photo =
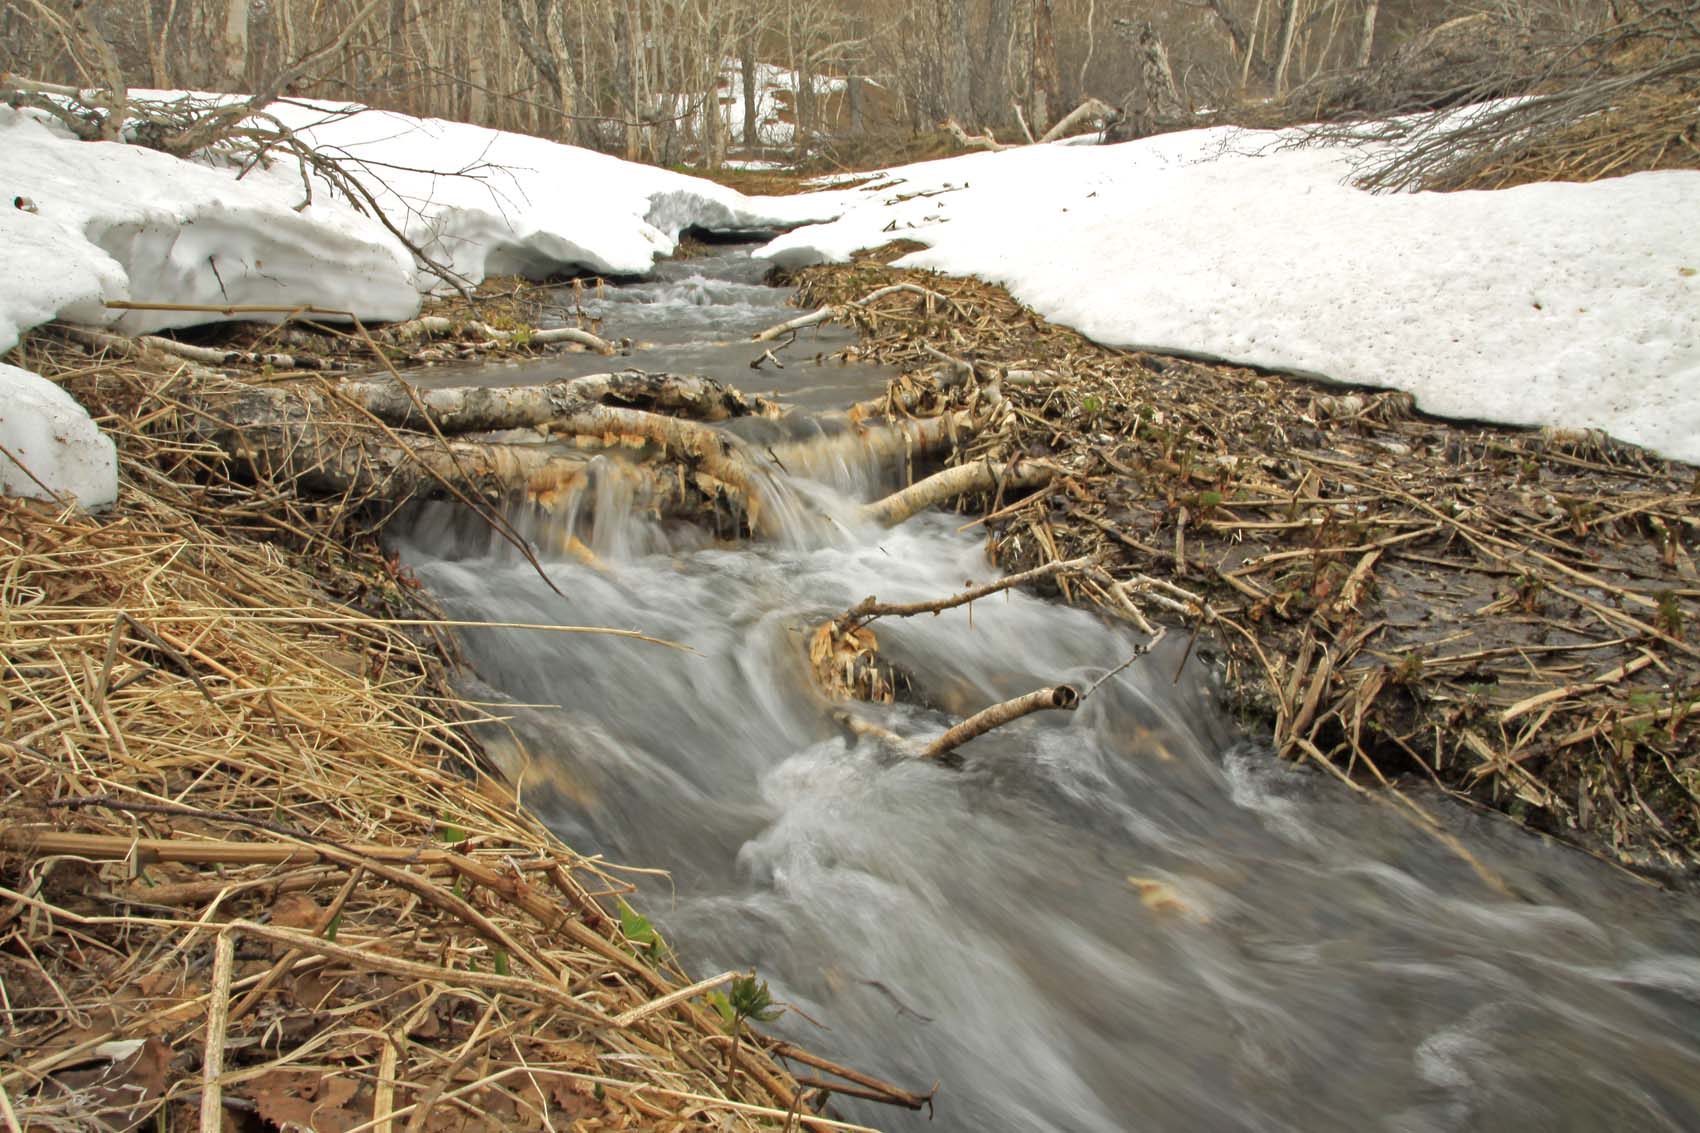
(1129, 917)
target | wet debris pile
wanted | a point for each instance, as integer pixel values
(256, 870)
(1508, 614)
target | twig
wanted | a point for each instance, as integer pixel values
(218, 1019)
(1138, 652)
(870, 608)
(1064, 698)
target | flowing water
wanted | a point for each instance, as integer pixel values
(695, 316)
(1130, 917)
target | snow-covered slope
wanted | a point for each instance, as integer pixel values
(1553, 304)
(159, 230)
(102, 221)
(487, 202)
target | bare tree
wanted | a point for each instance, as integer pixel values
(958, 90)
(1366, 38)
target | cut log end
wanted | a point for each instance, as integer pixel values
(1063, 698)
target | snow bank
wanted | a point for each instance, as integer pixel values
(156, 229)
(1552, 304)
(49, 438)
(486, 202)
(107, 221)
(122, 222)
(1571, 305)
(48, 272)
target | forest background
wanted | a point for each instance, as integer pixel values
(851, 81)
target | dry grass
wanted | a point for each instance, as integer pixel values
(1508, 614)
(246, 835)
(1649, 129)
(1580, 105)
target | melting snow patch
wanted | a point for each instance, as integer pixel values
(183, 233)
(1552, 304)
(46, 432)
(48, 271)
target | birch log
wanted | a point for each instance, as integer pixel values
(1063, 697)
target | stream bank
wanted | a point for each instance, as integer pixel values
(1128, 915)
(255, 869)
(1135, 905)
(1503, 614)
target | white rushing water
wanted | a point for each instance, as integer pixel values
(1130, 917)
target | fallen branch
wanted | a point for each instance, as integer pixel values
(439, 326)
(981, 476)
(825, 314)
(299, 434)
(467, 409)
(869, 608)
(1091, 108)
(965, 140)
(889, 440)
(212, 356)
(1064, 698)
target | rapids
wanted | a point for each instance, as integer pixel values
(1130, 917)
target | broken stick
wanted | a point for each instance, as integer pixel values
(981, 476)
(1064, 698)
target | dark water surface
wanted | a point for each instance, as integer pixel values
(1130, 917)
(695, 316)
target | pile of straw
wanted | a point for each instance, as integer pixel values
(254, 870)
(1506, 614)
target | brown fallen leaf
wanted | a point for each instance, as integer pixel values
(119, 1092)
(296, 910)
(299, 1099)
(1161, 897)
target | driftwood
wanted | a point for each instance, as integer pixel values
(965, 140)
(1087, 110)
(438, 326)
(844, 658)
(1063, 697)
(869, 608)
(213, 356)
(1091, 108)
(387, 441)
(826, 313)
(981, 476)
(301, 434)
(462, 409)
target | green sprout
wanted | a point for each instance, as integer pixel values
(748, 998)
(642, 935)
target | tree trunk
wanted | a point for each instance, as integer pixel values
(855, 86)
(958, 89)
(157, 65)
(805, 115)
(1154, 105)
(991, 91)
(234, 56)
(1366, 42)
(1284, 44)
(566, 98)
(1162, 99)
(1044, 67)
(747, 64)
(626, 32)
